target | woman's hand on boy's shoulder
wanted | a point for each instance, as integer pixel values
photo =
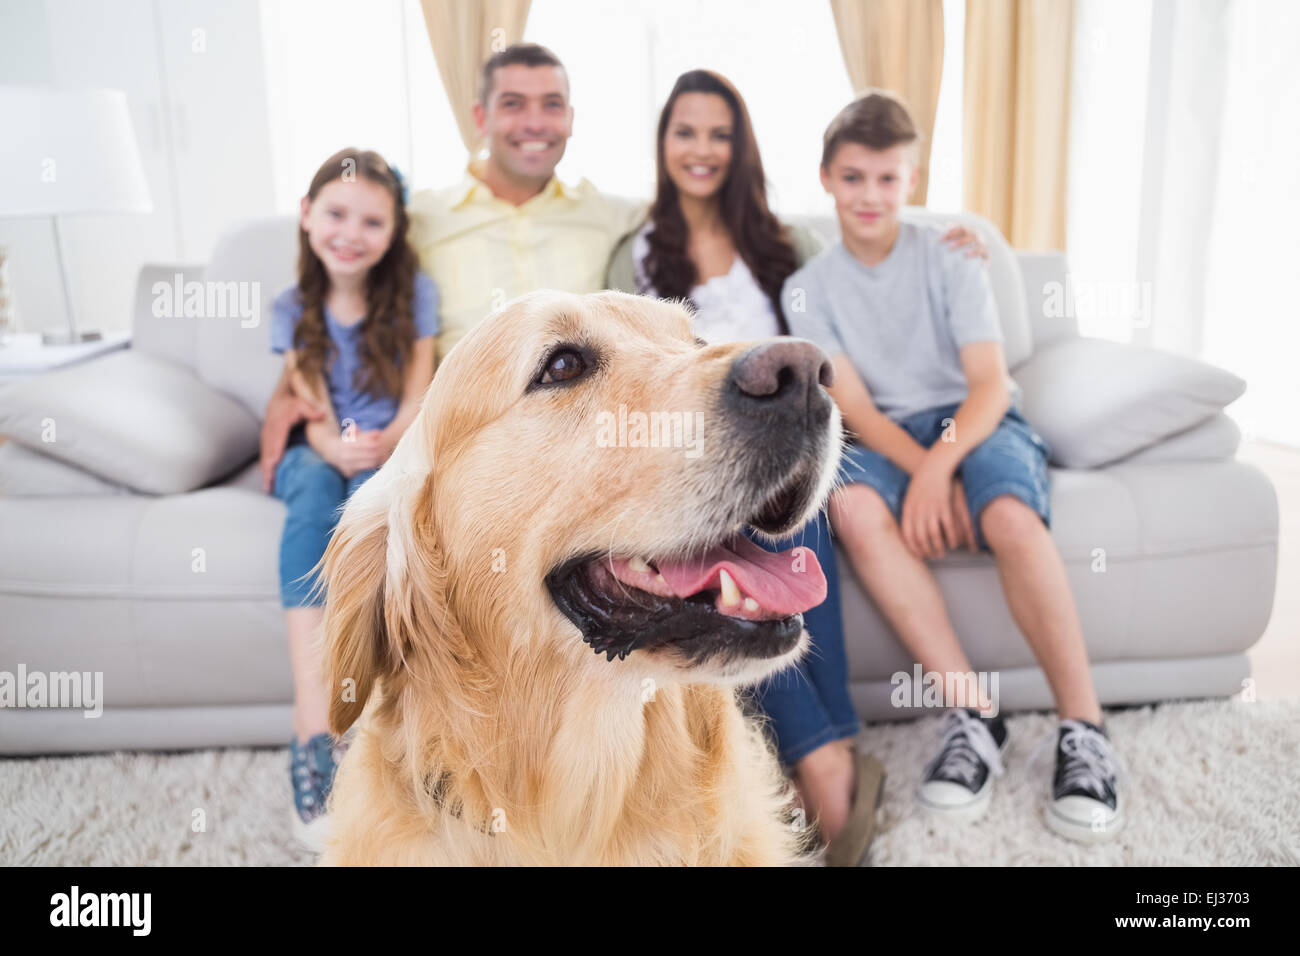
(964, 237)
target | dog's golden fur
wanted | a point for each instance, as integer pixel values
(489, 733)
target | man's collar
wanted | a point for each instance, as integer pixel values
(473, 187)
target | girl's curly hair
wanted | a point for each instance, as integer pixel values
(387, 333)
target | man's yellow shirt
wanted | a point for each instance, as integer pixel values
(483, 251)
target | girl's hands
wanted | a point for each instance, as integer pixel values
(935, 514)
(356, 451)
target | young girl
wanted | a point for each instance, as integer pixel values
(357, 333)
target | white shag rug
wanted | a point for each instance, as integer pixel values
(1211, 783)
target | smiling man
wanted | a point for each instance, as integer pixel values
(511, 226)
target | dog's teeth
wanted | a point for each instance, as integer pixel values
(730, 593)
(660, 579)
(751, 605)
(639, 565)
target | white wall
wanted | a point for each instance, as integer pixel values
(192, 73)
(25, 58)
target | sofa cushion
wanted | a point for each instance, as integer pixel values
(248, 478)
(1165, 561)
(1097, 401)
(132, 419)
(177, 602)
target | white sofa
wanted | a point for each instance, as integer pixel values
(95, 576)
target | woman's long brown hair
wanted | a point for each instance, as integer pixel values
(387, 334)
(759, 238)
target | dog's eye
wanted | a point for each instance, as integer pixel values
(565, 365)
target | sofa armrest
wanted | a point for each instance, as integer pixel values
(1048, 296)
(25, 473)
(1215, 439)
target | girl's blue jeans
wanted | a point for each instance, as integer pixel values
(809, 704)
(314, 492)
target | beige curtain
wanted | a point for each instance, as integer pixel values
(1016, 117)
(896, 45)
(463, 34)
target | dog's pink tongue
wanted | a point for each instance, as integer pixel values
(788, 582)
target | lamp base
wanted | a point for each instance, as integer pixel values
(70, 338)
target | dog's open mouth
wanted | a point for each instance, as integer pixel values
(734, 597)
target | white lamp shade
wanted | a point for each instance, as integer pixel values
(68, 152)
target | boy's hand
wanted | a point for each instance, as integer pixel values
(929, 525)
(962, 237)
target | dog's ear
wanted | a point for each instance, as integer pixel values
(354, 642)
(367, 570)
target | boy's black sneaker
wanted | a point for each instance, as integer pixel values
(958, 783)
(1085, 804)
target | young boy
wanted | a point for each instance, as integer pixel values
(942, 458)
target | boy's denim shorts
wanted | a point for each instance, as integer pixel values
(1013, 460)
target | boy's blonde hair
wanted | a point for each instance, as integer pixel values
(877, 120)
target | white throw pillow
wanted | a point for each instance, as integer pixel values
(1096, 401)
(132, 419)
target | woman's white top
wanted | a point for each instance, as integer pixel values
(729, 308)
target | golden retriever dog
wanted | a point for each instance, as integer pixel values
(539, 615)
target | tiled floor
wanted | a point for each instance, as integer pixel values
(1275, 660)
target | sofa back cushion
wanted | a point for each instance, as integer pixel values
(234, 350)
(161, 327)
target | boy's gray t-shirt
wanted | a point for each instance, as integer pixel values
(901, 322)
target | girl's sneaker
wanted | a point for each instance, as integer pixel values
(311, 772)
(958, 783)
(1085, 804)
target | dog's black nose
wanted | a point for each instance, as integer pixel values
(779, 381)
